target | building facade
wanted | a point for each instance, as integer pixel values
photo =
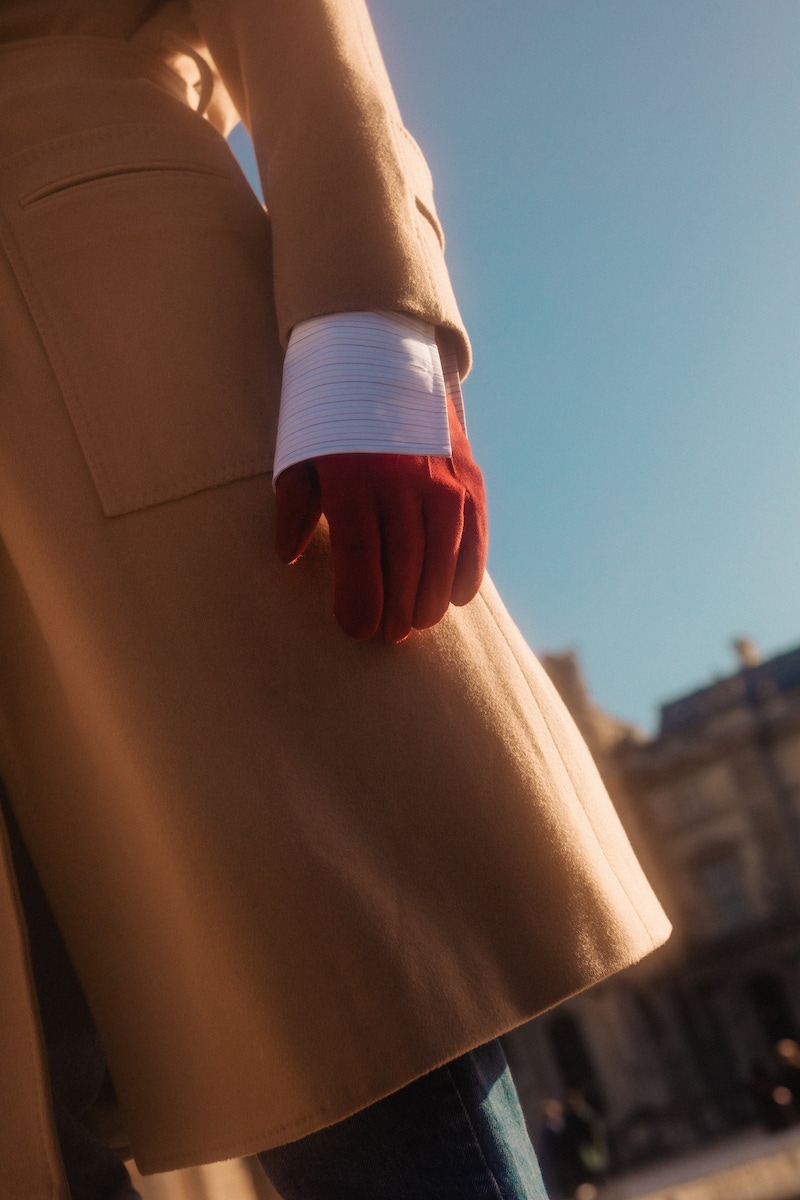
(670, 1050)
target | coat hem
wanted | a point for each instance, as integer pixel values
(313, 1122)
(587, 815)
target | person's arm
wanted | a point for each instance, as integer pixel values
(354, 229)
(348, 191)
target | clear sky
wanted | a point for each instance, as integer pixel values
(619, 182)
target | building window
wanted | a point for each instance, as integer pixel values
(722, 882)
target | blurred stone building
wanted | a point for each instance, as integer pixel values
(712, 804)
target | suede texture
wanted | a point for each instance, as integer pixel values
(293, 871)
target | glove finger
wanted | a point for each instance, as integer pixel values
(473, 553)
(403, 555)
(357, 574)
(444, 524)
(297, 510)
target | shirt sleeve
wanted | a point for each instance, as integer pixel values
(369, 382)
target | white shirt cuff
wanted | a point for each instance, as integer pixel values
(369, 382)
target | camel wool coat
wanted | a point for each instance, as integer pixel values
(293, 871)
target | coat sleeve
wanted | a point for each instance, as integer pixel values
(346, 186)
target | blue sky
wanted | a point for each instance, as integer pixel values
(619, 182)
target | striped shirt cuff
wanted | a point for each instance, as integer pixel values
(369, 382)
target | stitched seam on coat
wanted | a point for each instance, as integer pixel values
(427, 209)
(82, 179)
(26, 285)
(229, 472)
(413, 143)
(586, 815)
(433, 282)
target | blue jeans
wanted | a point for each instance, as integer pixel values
(455, 1134)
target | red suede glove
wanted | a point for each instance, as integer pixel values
(409, 533)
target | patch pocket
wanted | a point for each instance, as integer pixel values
(145, 260)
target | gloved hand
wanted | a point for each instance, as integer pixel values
(409, 533)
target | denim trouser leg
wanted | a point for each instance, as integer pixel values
(455, 1134)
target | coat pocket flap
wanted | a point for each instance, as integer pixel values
(146, 263)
